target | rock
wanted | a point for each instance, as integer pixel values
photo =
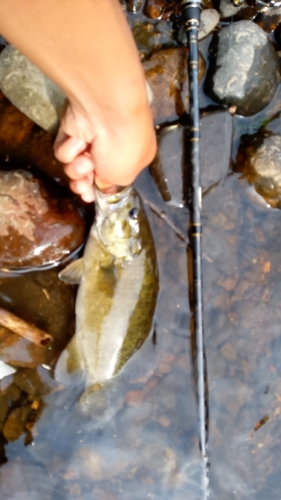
(150, 37)
(155, 8)
(208, 21)
(166, 73)
(23, 143)
(260, 161)
(277, 35)
(19, 352)
(134, 5)
(6, 370)
(15, 423)
(228, 9)
(167, 168)
(244, 68)
(32, 92)
(37, 227)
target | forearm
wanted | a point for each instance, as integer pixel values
(86, 47)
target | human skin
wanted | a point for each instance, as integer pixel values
(86, 47)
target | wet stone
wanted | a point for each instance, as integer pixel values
(244, 68)
(168, 169)
(150, 37)
(32, 92)
(208, 21)
(15, 423)
(36, 227)
(228, 9)
(19, 352)
(134, 5)
(166, 73)
(154, 8)
(259, 160)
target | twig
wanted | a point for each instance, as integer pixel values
(165, 217)
(24, 329)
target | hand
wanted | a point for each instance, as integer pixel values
(109, 147)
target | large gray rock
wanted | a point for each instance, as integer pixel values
(32, 92)
(244, 68)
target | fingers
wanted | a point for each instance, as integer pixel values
(82, 165)
(84, 187)
(78, 168)
(67, 148)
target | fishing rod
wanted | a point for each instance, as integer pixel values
(191, 11)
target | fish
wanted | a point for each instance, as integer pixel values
(117, 293)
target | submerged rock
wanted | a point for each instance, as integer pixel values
(36, 227)
(168, 169)
(32, 92)
(166, 73)
(134, 5)
(244, 68)
(259, 159)
(227, 8)
(155, 8)
(150, 37)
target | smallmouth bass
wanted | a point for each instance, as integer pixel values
(118, 286)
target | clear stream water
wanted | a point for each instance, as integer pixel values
(146, 444)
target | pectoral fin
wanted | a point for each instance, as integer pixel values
(72, 273)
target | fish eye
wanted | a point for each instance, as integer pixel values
(134, 212)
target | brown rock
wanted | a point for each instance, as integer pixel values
(166, 73)
(155, 8)
(19, 352)
(23, 142)
(15, 423)
(37, 227)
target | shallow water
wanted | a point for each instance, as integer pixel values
(146, 444)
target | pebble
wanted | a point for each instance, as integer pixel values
(260, 162)
(32, 92)
(134, 398)
(244, 68)
(228, 352)
(154, 8)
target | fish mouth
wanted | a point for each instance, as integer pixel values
(112, 198)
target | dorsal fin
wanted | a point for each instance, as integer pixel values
(72, 273)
